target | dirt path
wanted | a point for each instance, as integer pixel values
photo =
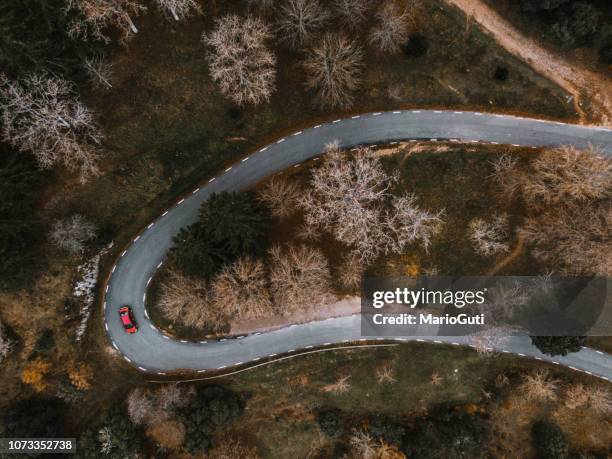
(583, 84)
(516, 252)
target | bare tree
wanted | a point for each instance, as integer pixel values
(299, 278)
(600, 400)
(352, 13)
(350, 271)
(575, 240)
(100, 72)
(72, 233)
(140, 405)
(95, 17)
(576, 396)
(566, 174)
(43, 115)
(187, 301)
(333, 67)
(391, 30)
(169, 397)
(240, 63)
(506, 174)
(490, 238)
(346, 197)
(179, 9)
(299, 20)
(341, 386)
(241, 290)
(363, 444)
(409, 223)
(281, 196)
(568, 193)
(538, 387)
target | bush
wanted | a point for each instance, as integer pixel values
(331, 422)
(212, 407)
(449, 433)
(115, 437)
(549, 441)
(416, 46)
(230, 225)
(558, 345)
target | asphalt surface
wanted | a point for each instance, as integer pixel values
(151, 351)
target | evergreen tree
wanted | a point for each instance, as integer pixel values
(558, 345)
(230, 225)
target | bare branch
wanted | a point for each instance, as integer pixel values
(352, 13)
(240, 63)
(299, 278)
(179, 9)
(299, 20)
(95, 17)
(241, 290)
(44, 116)
(391, 30)
(489, 238)
(281, 196)
(332, 69)
(72, 233)
(99, 71)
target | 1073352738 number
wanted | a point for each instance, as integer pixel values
(34, 445)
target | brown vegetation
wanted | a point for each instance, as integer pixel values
(539, 387)
(568, 195)
(34, 374)
(391, 29)
(241, 290)
(240, 63)
(81, 376)
(332, 69)
(281, 196)
(299, 278)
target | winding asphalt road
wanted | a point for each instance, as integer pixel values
(152, 351)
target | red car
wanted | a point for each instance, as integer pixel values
(127, 319)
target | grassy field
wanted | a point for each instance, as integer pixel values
(285, 395)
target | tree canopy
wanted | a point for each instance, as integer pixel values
(230, 225)
(558, 345)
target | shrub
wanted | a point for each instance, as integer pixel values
(558, 345)
(331, 421)
(549, 441)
